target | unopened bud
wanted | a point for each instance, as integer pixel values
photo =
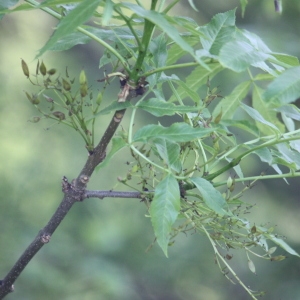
(218, 117)
(82, 77)
(83, 90)
(66, 85)
(253, 229)
(229, 182)
(278, 258)
(25, 68)
(59, 115)
(33, 98)
(43, 69)
(51, 72)
(99, 99)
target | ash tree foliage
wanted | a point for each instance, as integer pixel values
(177, 171)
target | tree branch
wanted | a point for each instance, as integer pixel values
(111, 194)
(74, 192)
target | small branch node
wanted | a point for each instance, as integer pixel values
(66, 186)
(45, 238)
(84, 179)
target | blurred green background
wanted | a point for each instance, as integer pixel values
(98, 252)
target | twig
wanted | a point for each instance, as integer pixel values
(112, 194)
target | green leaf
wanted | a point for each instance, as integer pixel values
(80, 14)
(70, 41)
(158, 48)
(266, 112)
(218, 31)
(5, 5)
(175, 52)
(290, 110)
(186, 23)
(242, 124)
(8, 3)
(191, 2)
(255, 115)
(211, 196)
(161, 21)
(47, 3)
(279, 160)
(161, 108)
(230, 103)
(169, 152)
(117, 144)
(113, 107)
(285, 88)
(76, 38)
(107, 12)
(263, 77)
(239, 55)
(196, 79)
(291, 156)
(289, 60)
(243, 6)
(164, 210)
(177, 132)
(264, 154)
(283, 245)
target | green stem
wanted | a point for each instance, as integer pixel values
(261, 177)
(226, 264)
(162, 69)
(147, 35)
(128, 23)
(237, 160)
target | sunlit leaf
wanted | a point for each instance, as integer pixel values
(289, 60)
(288, 154)
(191, 2)
(169, 152)
(177, 132)
(264, 154)
(47, 3)
(230, 103)
(196, 79)
(242, 124)
(290, 110)
(211, 196)
(160, 108)
(243, 6)
(255, 115)
(80, 14)
(265, 111)
(218, 31)
(285, 88)
(175, 52)
(113, 107)
(164, 209)
(158, 48)
(283, 245)
(288, 122)
(244, 55)
(107, 12)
